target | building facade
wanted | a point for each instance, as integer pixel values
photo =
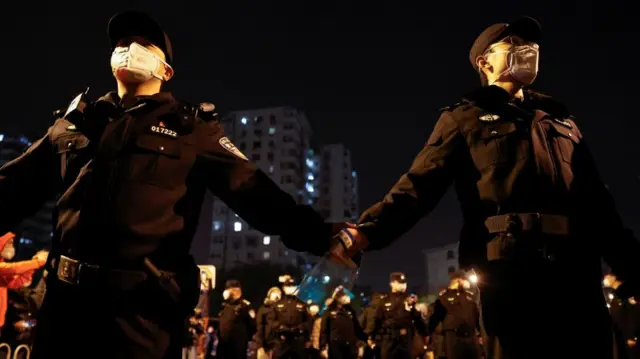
(338, 185)
(280, 141)
(440, 263)
(35, 232)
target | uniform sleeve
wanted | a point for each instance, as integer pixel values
(325, 330)
(374, 320)
(419, 322)
(250, 193)
(315, 333)
(360, 334)
(439, 312)
(418, 191)
(260, 330)
(27, 182)
(600, 219)
(250, 320)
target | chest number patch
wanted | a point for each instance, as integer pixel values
(229, 146)
(164, 131)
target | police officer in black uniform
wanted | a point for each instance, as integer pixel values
(132, 168)
(291, 323)
(533, 203)
(263, 334)
(368, 315)
(626, 319)
(237, 323)
(340, 331)
(397, 321)
(456, 317)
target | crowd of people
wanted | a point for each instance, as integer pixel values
(393, 325)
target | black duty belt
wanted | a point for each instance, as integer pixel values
(75, 272)
(551, 224)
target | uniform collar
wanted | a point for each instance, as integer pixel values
(159, 98)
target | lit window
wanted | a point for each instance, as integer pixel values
(353, 173)
(310, 152)
(309, 163)
(266, 240)
(266, 255)
(217, 225)
(326, 279)
(244, 120)
(310, 201)
(310, 177)
(237, 226)
(309, 187)
(271, 169)
(1, 137)
(51, 234)
(286, 253)
(272, 130)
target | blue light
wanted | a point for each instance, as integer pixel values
(353, 173)
(217, 225)
(309, 163)
(310, 201)
(1, 137)
(310, 177)
(244, 120)
(326, 279)
(309, 187)
(24, 140)
(272, 130)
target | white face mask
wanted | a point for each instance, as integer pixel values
(345, 299)
(226, 294)
(398, 287)
(522, 63)
(136, 64)
(8, 253)
(274, 297)
(288, 290)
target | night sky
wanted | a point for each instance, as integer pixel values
(370, 74)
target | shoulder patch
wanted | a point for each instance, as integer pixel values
(229, 146)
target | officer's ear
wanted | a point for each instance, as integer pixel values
(168, 73)
(483, 65)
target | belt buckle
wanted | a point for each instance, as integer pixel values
(69, 270)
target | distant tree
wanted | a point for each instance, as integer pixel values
(256, 279)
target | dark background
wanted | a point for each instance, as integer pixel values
(371, 74)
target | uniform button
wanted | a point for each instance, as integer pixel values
(161, 148)
(69, 144)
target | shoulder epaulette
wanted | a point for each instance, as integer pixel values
(452, 107)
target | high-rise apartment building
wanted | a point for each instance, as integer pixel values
(440, 263)
(279, 140)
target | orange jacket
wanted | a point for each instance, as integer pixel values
(13, 275)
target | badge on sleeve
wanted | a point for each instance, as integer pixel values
(489, 118)
(229, 146)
